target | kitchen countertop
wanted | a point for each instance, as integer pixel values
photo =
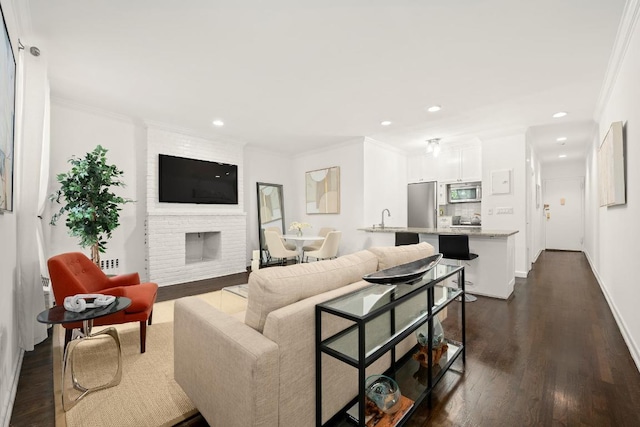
(471, 231)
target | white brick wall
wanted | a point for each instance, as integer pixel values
(167, 223)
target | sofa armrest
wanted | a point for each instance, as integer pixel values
(228, 369)
(124, 280)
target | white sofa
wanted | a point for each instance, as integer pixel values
(258, 368)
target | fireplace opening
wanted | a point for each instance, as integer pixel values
(202, 246)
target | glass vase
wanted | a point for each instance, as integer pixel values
(384, 392)
(422, 333)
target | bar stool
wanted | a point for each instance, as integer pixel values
(405, 238)
(457, 247)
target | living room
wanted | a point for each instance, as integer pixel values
(373, 169)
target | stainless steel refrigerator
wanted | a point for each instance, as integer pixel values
(422, 204)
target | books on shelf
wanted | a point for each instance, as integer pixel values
(384, 420)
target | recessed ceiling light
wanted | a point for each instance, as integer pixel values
(559, 114)
(434, 108)
(562, 139)
(385, 123)
(562, 156)
(218, 123)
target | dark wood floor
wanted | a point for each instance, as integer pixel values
(551, 355)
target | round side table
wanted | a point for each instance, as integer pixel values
(58, 315)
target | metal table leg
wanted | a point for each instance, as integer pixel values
(67, 401)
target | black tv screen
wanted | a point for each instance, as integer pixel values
(185, 180)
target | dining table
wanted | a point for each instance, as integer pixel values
(299, 241)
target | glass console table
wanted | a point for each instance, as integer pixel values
(381, 317)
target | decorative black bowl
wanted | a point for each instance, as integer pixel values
(404, 273)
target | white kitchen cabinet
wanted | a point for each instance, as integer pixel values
(448, 163)
(453, 164)
(459, 164)
(422, 168)
(471, 164)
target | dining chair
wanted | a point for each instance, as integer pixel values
(329, 248)
(318, 243)
(276, 247)
(288, 245)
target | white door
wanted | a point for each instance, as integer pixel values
(564, 211)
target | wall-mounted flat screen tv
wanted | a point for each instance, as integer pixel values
(183, 180)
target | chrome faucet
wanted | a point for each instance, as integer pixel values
(388, 214)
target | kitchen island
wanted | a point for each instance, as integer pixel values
(492, 273)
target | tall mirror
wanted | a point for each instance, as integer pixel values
(270, 213)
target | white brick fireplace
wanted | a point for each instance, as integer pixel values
(187, 242)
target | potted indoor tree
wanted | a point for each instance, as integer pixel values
(92, 208)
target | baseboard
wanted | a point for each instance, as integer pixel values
(521, 274)
(631, 345)
(537, 255)
(8, 405)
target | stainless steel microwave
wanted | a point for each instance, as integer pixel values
(465, 193)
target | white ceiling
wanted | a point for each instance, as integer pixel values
(293, 75)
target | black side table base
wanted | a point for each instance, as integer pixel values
(67, 401)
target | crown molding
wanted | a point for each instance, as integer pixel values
(266, 151)
(23, 18)
(385, 145)
(75, 105)
(353, 141)
(623, 38)
(69, 103)
(18, 22)
(152, 124)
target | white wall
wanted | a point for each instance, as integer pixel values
(612, 233)
(76, 130)
(350, 158)
(273, 168)
(373, 177)
(592, 210)
(385, 184)
(506, 153)
(561, 169)
(9, 351)
(536, 207)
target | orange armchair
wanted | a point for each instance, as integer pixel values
(73, 273)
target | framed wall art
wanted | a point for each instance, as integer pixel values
(7, 113)
(611, 167)
(322, 190)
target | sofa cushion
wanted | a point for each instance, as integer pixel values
(395, 255)
(276, 287)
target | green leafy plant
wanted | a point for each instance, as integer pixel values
(92, 208)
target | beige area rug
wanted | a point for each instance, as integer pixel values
(147, 394)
